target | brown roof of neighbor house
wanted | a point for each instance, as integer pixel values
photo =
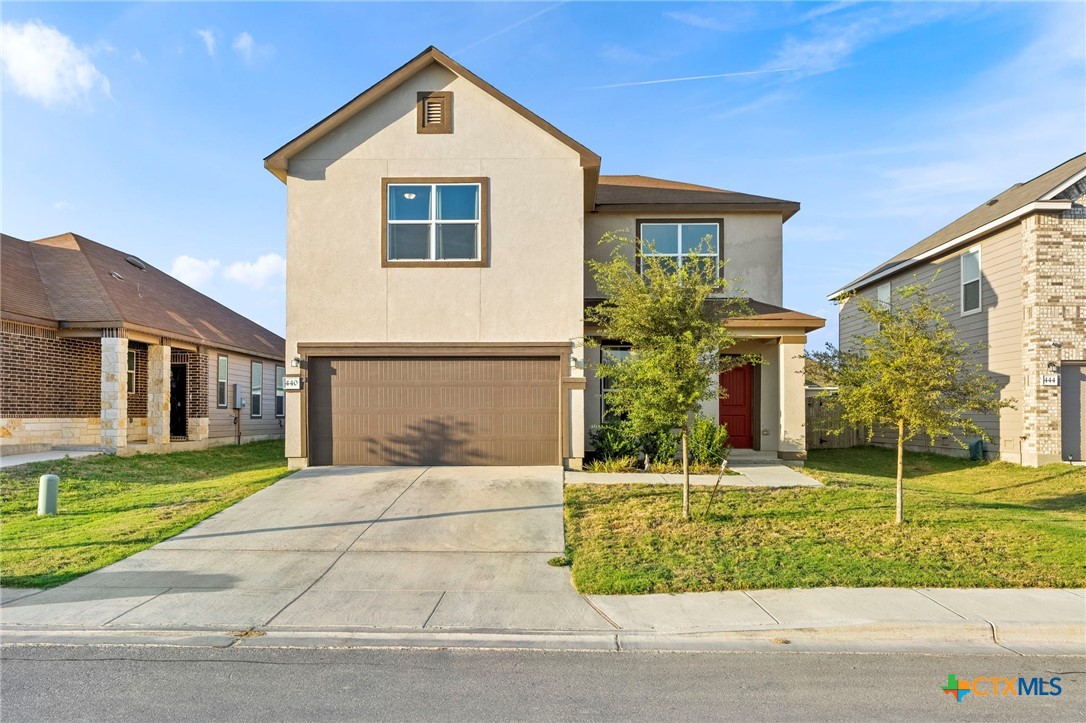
(644, 193)
(762, 315)
(1015, 198)
(72, 282)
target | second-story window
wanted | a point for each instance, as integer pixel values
(674, 241)
(971, 281)
(439, 223)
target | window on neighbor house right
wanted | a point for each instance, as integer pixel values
(971, 281)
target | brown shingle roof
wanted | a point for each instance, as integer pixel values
(643, 193)
(69, 280)
(22, 296)
(1009, 201)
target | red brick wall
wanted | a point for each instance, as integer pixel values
(43, 376)
(137, 397)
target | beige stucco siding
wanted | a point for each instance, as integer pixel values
(531, 289)
(998, 325)
(752, 245)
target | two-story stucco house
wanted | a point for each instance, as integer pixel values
(437, 233)
(1014, 271)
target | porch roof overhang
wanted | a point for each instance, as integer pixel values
(766, 320)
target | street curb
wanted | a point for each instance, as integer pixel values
(979, 637)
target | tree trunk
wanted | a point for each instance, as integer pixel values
(900, 454)
(686, 475)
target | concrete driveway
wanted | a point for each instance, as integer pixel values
(348, 548)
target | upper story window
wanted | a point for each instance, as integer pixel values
(674, 241)
(434, 113)
(435, 222)
(971, 281)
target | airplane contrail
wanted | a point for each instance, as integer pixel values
(692, 77)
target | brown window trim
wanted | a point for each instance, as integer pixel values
(719, 238)
(446, 99)
(484, 226)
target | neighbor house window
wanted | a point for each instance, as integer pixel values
(220, 388)
(131, 371)
(610, 355)
(257, 389)
(280, 399)
(971, 281)
(672, 242)
(434, 112)
(884, 295)
(441, 223)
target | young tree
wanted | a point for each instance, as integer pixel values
(910, 372)
(666, 311)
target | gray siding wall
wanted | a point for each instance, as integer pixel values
(222, 420)
(998, 324)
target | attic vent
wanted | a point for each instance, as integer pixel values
(993, 202)
(137, 262)
(435, 112)
(117, 276)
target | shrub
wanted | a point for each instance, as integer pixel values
(613, 440)
(708, 442)
(616, 464)
(660, 447)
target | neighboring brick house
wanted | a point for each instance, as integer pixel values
(99, 349)
(437, 234)
(1015, 270)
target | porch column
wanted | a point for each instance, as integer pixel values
(158, 394)
(792, 445)
(113, 426)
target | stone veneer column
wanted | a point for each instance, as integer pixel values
(158, 394)
(113, 432)
(792, 446)
(1053, 290)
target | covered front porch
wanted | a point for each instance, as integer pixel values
(764, 408)
(154, 394)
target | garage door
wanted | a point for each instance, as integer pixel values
(434, 411)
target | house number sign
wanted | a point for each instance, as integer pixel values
(1050, 380)
(292, 384)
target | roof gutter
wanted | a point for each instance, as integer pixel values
(957, 241)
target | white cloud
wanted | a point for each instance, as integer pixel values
(208, 36)
(830, 45)
(267, 272)
(698, 21)
(44, 64)
(63, 206)
(194, 272)
(137, 56)
(251, 52)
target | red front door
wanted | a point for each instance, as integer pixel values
(737, 409)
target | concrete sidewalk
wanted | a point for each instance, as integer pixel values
(13, 460)
(1023, 622)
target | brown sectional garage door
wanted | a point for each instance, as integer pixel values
(434, 411)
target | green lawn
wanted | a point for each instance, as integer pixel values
(112, 507)
(968, 524)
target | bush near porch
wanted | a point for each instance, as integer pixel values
(113, 507)
(970, 524)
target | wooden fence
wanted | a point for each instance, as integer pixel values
(823, 416)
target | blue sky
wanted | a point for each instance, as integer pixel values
(144, 126)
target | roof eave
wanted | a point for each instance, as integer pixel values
(968, 237)
(277, 161)
(787, 209)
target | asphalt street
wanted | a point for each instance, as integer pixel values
(54, 683)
